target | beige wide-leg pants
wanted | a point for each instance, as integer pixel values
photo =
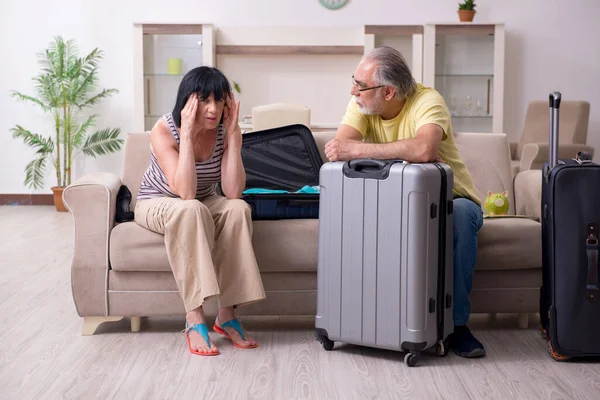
(209, 246)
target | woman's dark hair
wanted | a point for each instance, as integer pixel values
(204, 81)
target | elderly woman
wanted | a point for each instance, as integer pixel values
(208, 236)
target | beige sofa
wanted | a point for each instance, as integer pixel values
(121, 270)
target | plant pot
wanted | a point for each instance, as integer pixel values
(466, 15)
(57, 192)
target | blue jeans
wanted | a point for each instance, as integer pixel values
(468, 219)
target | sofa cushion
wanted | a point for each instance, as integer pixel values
(135, 161)
(487, 157)
(280, 246)
(509, 243)
(128, 281)
(286, 245)
(515, 166)
(134, 248)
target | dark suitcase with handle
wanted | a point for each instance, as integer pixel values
(569, 304)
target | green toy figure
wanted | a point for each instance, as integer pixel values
(496, 203)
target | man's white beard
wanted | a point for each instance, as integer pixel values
(374, 110)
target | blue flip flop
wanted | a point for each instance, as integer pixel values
(202, 329)
(235, 324)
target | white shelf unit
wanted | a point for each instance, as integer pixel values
(312, 66)
(155, 86)
(465, 63)
(309, 66)
(407, 39)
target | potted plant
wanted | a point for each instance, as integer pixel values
(466, 11)
(65, 87)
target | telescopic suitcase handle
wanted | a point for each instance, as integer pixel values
(554, 100)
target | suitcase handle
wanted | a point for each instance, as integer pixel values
(591, 244)
(554, 102)
(366, 163)
(369, 168)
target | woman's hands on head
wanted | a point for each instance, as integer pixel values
(233, 175)
(231, 115)
(191, 120)
(189, 116)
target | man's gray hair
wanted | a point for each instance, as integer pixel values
(392, 70)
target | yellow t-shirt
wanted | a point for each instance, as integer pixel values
(425, 106)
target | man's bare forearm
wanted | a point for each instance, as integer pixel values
(411, 150)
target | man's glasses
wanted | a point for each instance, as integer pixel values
(362, 89)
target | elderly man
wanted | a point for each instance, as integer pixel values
(391, 116)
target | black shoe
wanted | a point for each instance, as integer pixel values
(465, 344)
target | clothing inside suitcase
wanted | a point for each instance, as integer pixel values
(282, 173)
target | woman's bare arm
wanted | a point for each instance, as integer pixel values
(179, 165)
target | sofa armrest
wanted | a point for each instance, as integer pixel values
(513, 150)
(528, 193)
(534, 155)
(91, 201)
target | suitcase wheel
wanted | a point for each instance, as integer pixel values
(411, 359)
(555, 356)
(441, 347)
(327, 344)
(543, 332)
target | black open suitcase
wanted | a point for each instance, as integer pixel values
(569, 298)
(284, 158)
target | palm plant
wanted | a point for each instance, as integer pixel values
(65, 87)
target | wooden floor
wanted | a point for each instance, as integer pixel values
(44, 356)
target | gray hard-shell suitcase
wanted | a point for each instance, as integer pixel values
(385, 258)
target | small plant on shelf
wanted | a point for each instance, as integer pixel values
(466, 10)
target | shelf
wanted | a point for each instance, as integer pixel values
(464, 76)
(393, 30)
(289, 50)
(465, 29)
(172, 29)
(172, 75)
(242, 124)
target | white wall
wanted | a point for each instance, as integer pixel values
(543, 53)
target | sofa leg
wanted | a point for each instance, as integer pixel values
(136, 323)
(90, 324)
(523, 320)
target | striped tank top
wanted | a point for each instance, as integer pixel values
(208, 174)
